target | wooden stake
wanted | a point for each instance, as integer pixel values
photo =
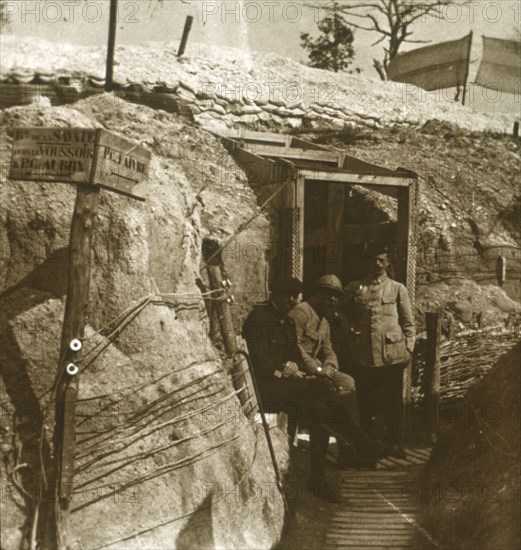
(467, 71)
(228, 333)
(109, 77)
(74, 319)
(212, 256)
(431, 379)
(186, 33)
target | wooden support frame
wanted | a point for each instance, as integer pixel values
(357, 178)
(294, 153)
(292, 227)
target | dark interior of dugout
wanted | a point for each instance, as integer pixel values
(340, 222)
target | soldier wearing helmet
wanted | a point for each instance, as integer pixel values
(318, 359)
(313, 333)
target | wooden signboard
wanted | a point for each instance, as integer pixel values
(80, 155)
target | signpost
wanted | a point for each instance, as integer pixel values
(80, 155)
(92, 159)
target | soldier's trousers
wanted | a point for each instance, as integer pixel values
(315, 403)
(380, 393)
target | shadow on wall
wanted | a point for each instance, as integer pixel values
(49, 276)
(198, 531)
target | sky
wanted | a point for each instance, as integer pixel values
(264, 25)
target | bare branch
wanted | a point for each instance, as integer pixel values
(393, 20)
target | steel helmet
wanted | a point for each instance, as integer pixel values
(331, 282)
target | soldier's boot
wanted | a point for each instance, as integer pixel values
(367, 447)
(317, 484)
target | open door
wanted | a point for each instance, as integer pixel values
(337, 233)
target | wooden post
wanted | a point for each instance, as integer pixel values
(109, 77)
(467, 70)
(225, 318)
(501, 270)
(97, 170)
(431, 376)
(479, 320)
(186, 33)
(76, 304)
(516, 129)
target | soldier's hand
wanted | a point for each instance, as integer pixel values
(328, 371)
(291, 370)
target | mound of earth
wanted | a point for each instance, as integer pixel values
(471, 484)
(165, 454)
(227, 86)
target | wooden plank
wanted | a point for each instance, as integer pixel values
(363, 543)
(373, 527)
(360, 541)
(355, 164)
(378, 540)
(420, 453)
(414, 459)
(62, 155)
(261, 137)
(301, 144)
(293, 153)
(259, 170)
(356, 178)
(383, 506)
(79, 155)
(348, 546)
(368, 534)
(382, 533)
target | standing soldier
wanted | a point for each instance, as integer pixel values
(380, 343)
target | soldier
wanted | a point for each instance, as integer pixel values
(319, 359)
(285, 384)
(380, 342)
(282, 385)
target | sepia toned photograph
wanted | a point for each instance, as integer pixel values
(260, 274)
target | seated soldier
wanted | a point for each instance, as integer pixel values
(284, 386)
(318, 359)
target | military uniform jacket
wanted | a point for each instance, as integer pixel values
(313, 338)
(271, 340)
(380, 320)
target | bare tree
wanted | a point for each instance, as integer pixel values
(393, 21)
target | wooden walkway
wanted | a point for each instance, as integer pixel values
(379, 507)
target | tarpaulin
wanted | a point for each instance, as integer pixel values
(500, 65)
(433, 67)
